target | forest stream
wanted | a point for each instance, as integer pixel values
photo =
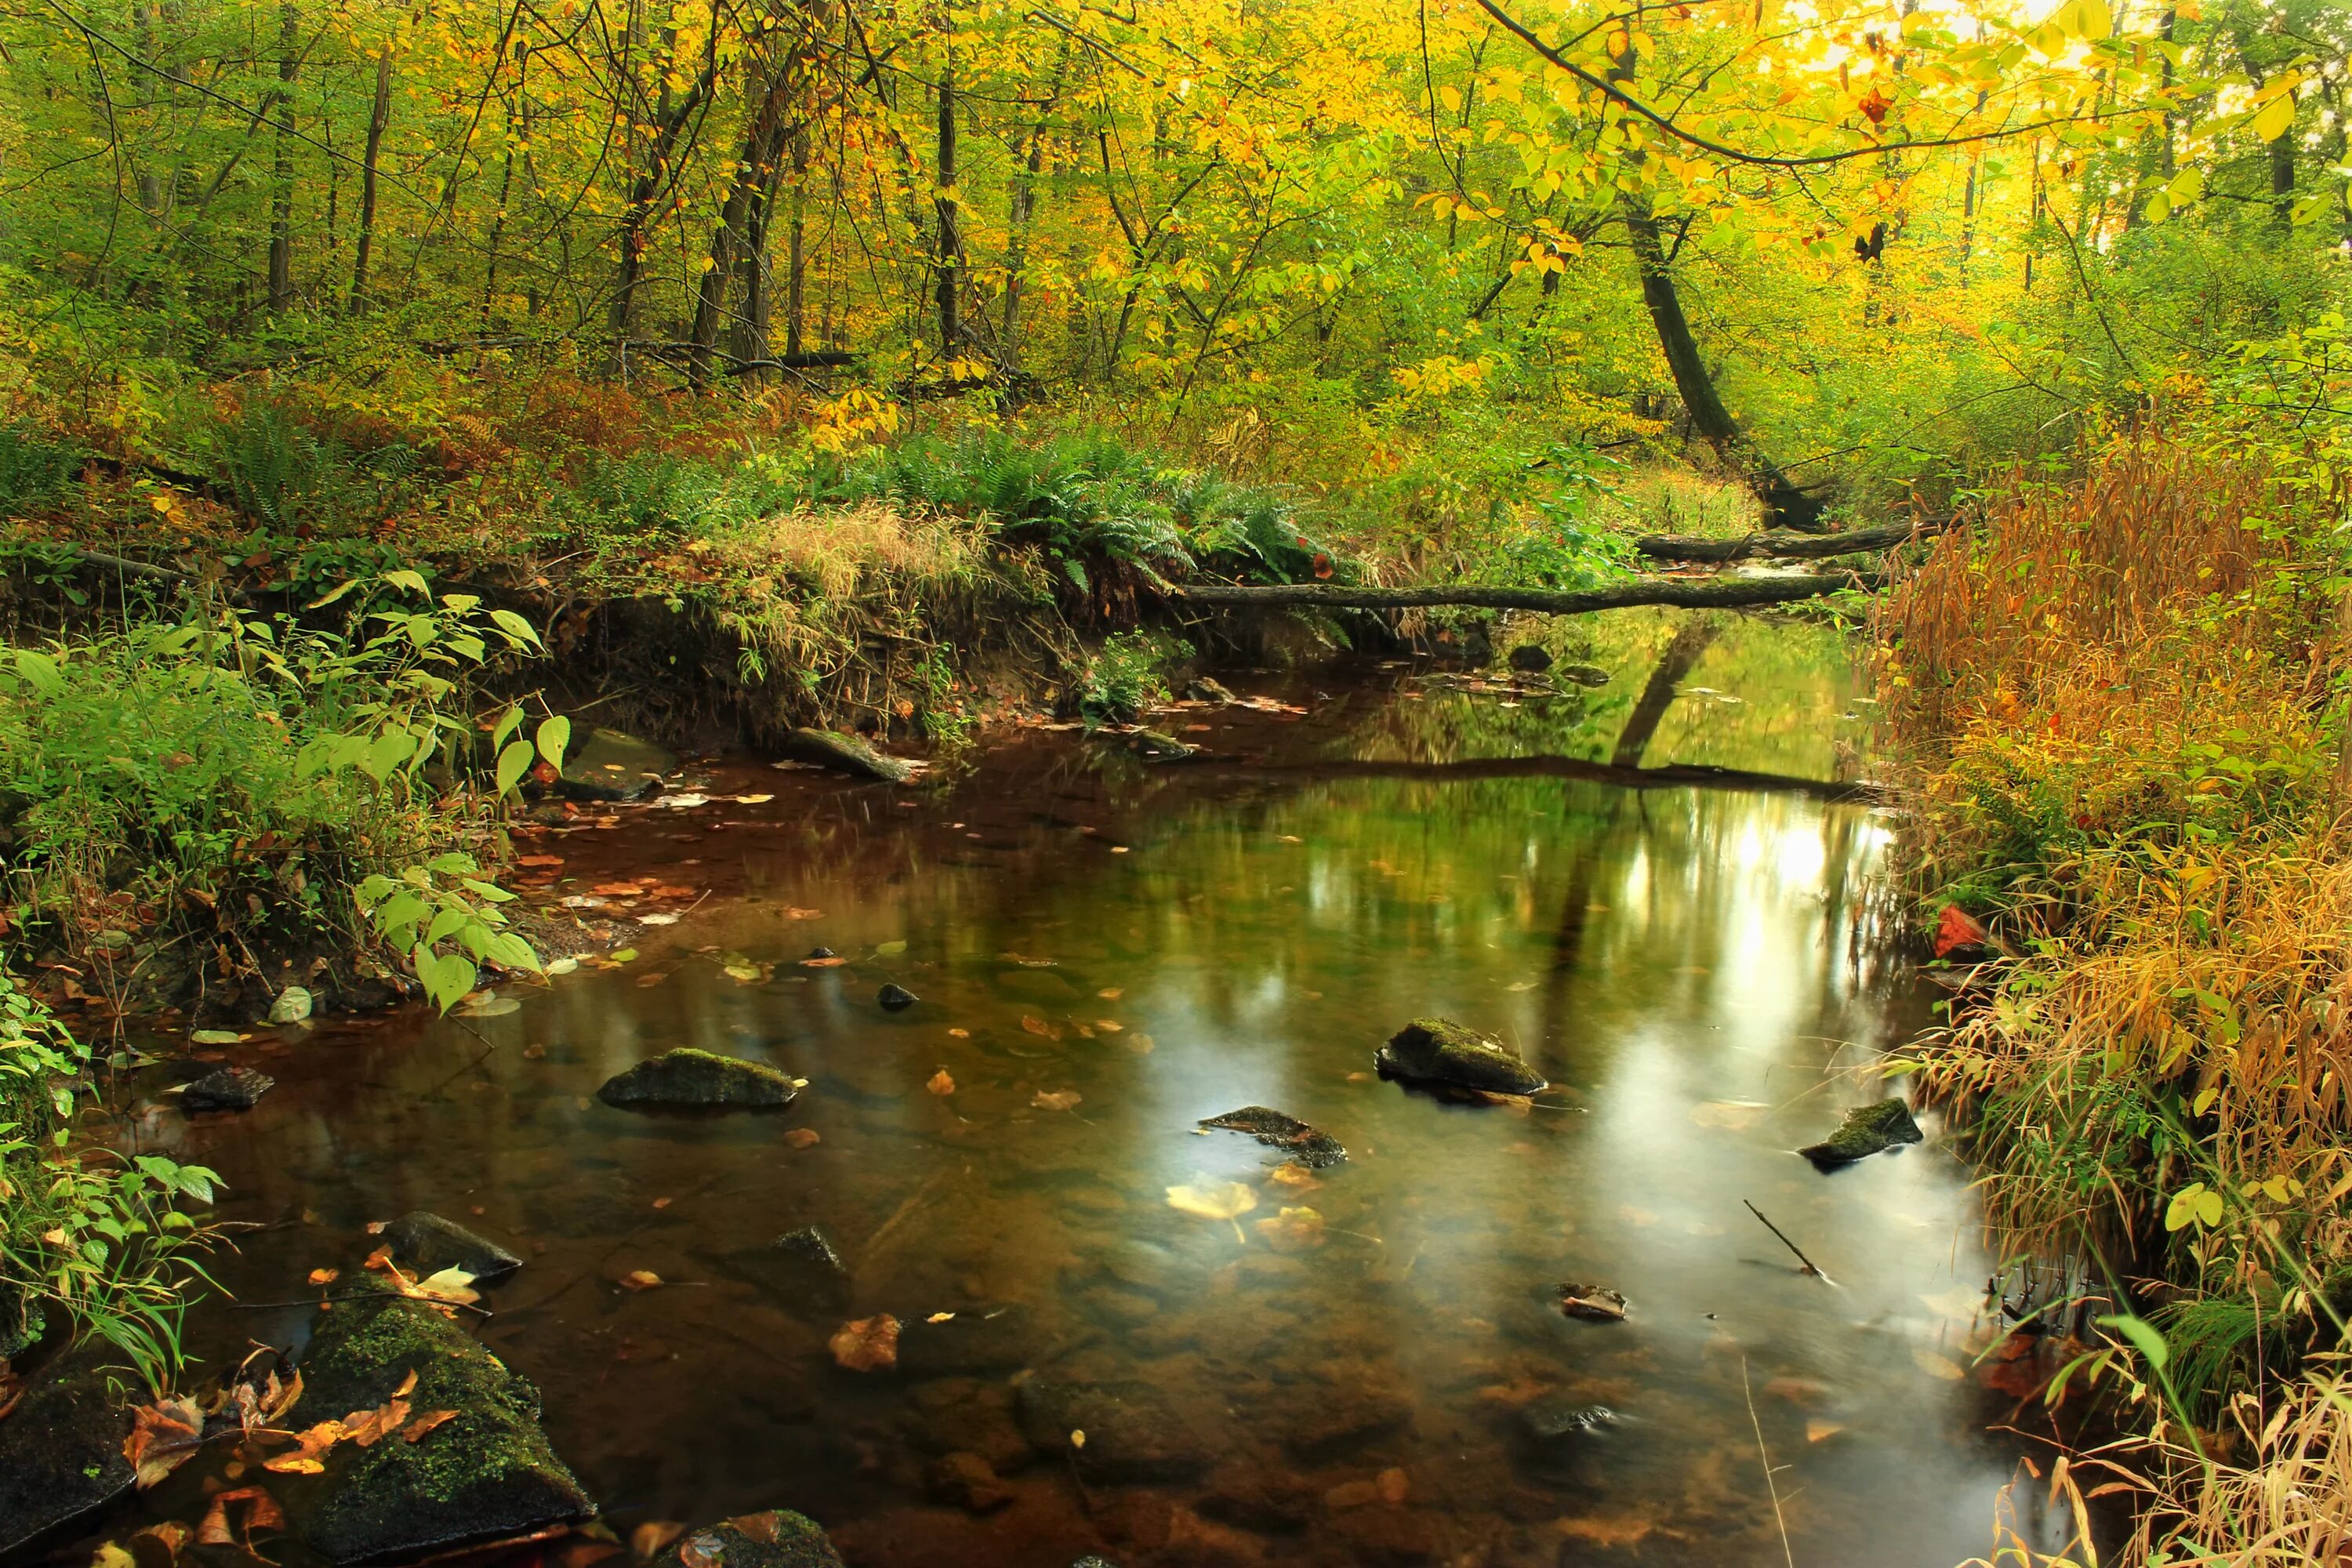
(1362, 1362)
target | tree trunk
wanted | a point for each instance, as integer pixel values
(378, 118)
(281, 197)
(1793, 546)
(1682, 655)
(796, 257)
(732, 241)
(950, 255)
(1784, 503)
(1689, 593)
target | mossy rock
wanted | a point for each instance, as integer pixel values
(687, 1078)
(1439, 1051)
(611, 765)
(61, 1450)
(485, 1474)
(1277, 1129)
(425, 1243)
(1866, 1130)
(845, 755)
(781, 1539)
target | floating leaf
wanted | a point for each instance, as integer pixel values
(1058, 1100)
(835, 963)
(801, 1137)
(1292, 1230)
(867, 1344)
(163, 1437)
(1228, 1202)
(214, 1037)
(889, 948)
(1040, 1028)
(325, 1276)
(641, 1279)
(941, 1083)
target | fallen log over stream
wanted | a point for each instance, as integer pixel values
(1783, 542)
(1686, 593)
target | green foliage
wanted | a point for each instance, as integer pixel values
(100, 1237)
(37, 469)
(1127, 675)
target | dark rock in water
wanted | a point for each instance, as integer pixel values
(611, 765)
(1866, 1130)
(1598, 1303)
(845, 755)
(801, 1266)
(1435, 1050)
(230, 1089)
(425, 1242)
(966, 1481)
(777, 1540)
(1529, 659)
(814, 1249)
(1322, 1423)
(485, 1475)
(1201, 689)
(982, 1339)
(1582, 675)
(968, 1416)
(61, 1450)
(896, 998)
(686, 1077)
(1134, 1432)
(1277, 1131)
(822, 953)
(1549, 1420)
(1153, 746)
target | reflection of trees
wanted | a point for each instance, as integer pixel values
(1690, 640)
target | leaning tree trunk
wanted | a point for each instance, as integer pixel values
(951, 256)
(281, 173)
(1682, 655)
(379, 116)
(1784, 503)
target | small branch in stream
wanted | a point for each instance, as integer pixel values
(1809, 1267)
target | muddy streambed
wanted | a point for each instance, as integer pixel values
(1105, 953)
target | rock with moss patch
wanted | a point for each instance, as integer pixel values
(688, 1078)
(1275, 1129)
(845, 755)
(423, 1243)
(1156, 746)
(484, 1474)
(61, 1450)
(1866, 1130)
(230, 1089)
(1202, 688)
(610, 765)
(1586, 675)
(781, 1539)
(1439, 1051)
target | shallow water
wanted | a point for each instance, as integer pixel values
(1705, 975)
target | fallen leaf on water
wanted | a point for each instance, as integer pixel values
(1816, 1431)
(650, 978)
(1226, 1203)
(1292, 1230)
(867, 1344)
(164, 1544)
(309, 1459)
(625, 955)
(1289, 837)
(801, 1137)
(489, 1007)
(961, 1034)
(163, 1437)
(640, 1280)
(560, 965)
(1039, 1028)
(1730, 1115)
(754, 799)
(448, 1284)
(889, 948)
(745, 974)
(801, 915)
(683, 802)
(1606, 1530)
(1958, 1303)
(1078, 1439)
(260, 1511)
(823, 962)
(214, 1037)
(657, 920)
(1058, 1100)
(1595, 1302)
(940, 1083)
(617, 889)
(1109, 993)
(325, 1276)
(1292, 1174)
(1935, 1365)
(663, 1203)
(538, 859)
(1109, 1026)
(648, 1541)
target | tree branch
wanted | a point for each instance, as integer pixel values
(1689, 593)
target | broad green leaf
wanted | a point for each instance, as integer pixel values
(412, 580)
(513, 763)
(2274, 119)
(2143, 1335)
(555, 739)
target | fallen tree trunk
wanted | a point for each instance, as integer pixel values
(1686, 593)
(1783, 542)
(1675, 776)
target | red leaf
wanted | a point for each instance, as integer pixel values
(1956, 928)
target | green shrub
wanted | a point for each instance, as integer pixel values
(37, 469)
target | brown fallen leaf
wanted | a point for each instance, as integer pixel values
(1821, 1431)
(364, 1428)
(1109, 993)
(650, 1540)
(425, 1423)
(259, 1512)
(803, 914)
(616, 890)
(1292, 1230)
(538, 860)
(802, 1136)
(1040, 1028)
(1109, 1026)
(823, 962)
(1057, 1099)
(1292, 1174)
(867, 1344)
(959, 1034)
(940, 1083)
(160, 1545)
(163, 1437)
(640, 1280)
(664, 1203)
(325, 1276)
(310, 1458)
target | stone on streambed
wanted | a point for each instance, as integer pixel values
(1157, 746)
(780, 1539)
(687, 1078)
(1438, 1052)
(1202, 688)
(976, 1339)
(1133, 1431)
(1554, 1420)
(487, 1474)
(799, 1267)
(612, 766)
(845, 754)
(229, 1088)
(61, 1450)
(425, 1243)
(1277, 1131)
(1865, 1132)
(896, 998)
(1529, 659)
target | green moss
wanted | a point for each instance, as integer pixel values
(779, 1540)
(1866, 1130)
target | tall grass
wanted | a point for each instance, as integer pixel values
(2119, 697)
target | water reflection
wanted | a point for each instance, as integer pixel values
(1705, 976)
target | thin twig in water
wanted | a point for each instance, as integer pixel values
(1771, 1487)
(1809, 1267)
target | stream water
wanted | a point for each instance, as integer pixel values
(1106, 952)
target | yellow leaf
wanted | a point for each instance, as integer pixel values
(2274, 119)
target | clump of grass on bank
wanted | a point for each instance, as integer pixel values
(2123, 698)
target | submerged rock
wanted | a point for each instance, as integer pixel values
(1202, 688)
(61, 1450)
(1155, 746)
(845, 755)
(1866, 1130)
(423, 1243)
(230, 1089)
(1529, 659)
(611, 765)
(799, 1267)
(777, 1540)
(1590, 675)
(1274, 1128)
(813, 1249)
(689, 1077)
(484, 1474)
(977, 1339)
(1436, 1050)
(966, 1481)
(1597, 1304)
(896, 998)
(1133, 1433)
(1550, 1421)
